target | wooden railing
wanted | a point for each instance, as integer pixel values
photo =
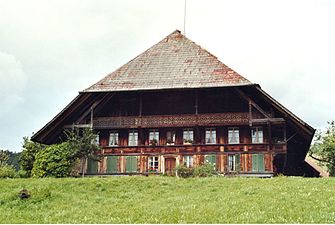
(171, 120)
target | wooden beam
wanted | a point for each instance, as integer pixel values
(248, 99)
(78, 126)
(89, 110)
(140, 107)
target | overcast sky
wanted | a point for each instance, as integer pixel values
(50, 50)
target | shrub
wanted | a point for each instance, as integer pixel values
(184, 172)
(7, 172)
(54, 161)
(22, 174)
(205, 170)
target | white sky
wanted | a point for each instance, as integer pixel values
(50, 50)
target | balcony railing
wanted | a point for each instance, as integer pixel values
(171, 120)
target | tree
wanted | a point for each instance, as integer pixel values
(4, 156)
(28, 154)
(54, 161)
(14, 159)
(323, 149)
(84, 144)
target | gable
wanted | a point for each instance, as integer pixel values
(174, 63)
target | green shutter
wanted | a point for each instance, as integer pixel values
(112, 164)
(238, 162)
(258, 162)
(92, 166)
(261, 163)
(131, 164)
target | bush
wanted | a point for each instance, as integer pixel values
(184, 172)
(7, 172)
(54, 161)
(22, 174)
(205, 170)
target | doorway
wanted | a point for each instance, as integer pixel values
(170, 165)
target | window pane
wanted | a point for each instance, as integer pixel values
(233, 136)
(133, 138)
(188, 136)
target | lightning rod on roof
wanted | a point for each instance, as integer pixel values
(185, 18)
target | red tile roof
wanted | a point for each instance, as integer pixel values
(173, 63)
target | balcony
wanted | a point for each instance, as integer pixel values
(185, 120)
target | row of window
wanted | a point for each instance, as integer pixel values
(233, 163)
(188, 136)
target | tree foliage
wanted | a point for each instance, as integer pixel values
(323, 148)
(28, 154)
(54, 161)
(58, 160)
(4, 157)
(83, 142)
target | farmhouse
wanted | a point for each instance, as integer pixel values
(178, 104)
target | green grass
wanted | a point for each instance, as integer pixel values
(169, 200)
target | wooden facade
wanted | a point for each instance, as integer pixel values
(178, 104)
(252, 151)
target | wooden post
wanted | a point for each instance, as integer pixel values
(270, 137)
(122, 160)
(196, 102)
(250, 113)
(222, 159)
(91, 117)
(140, 107)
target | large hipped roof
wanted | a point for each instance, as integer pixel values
(173, 63)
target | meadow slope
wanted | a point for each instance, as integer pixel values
(169, 200)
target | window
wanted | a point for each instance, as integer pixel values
(112, 164)
(188, 136)
(153, 137)
(153, 164)
(188, 161)
(131, 164)
(233, 135)
(133, 138)
(210, 136)
(92, 166)
(96, 139)
(210, 159)
(257, 135)
(234, 162)
(170, 137)
(114, 138)
(258, 163)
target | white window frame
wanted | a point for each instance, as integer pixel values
(232, 162)
(233, 135)
(188, 135)
(153, 162)
(188, 161)
(133, 138)
(257, 135)
(113, 138)
(210, 136)
(153, 135)
(172, 137)
(96, 140)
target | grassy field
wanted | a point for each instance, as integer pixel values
(168, 200)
